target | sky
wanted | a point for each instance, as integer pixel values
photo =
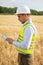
(32, 4)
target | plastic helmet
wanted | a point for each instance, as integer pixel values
(23, 10)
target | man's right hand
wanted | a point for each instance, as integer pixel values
(9, 40)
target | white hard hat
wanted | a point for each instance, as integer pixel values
(23, 10)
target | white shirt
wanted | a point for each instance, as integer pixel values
(28, 33)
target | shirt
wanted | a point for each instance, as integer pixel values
(28, 33)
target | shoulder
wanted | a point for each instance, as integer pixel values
(29, 29)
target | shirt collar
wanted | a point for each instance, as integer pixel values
(28, 21)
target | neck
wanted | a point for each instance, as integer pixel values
(25, 21)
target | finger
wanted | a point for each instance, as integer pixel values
(4, 37)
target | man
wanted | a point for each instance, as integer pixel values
(25, 42)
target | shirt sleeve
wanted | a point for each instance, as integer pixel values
(28, 33)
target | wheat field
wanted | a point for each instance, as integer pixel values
(10, 26)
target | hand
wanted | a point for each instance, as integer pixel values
(9, 40)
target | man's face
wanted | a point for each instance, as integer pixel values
(22, 17)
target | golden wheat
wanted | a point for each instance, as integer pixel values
(10, 26)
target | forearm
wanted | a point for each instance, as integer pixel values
(20, 44)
